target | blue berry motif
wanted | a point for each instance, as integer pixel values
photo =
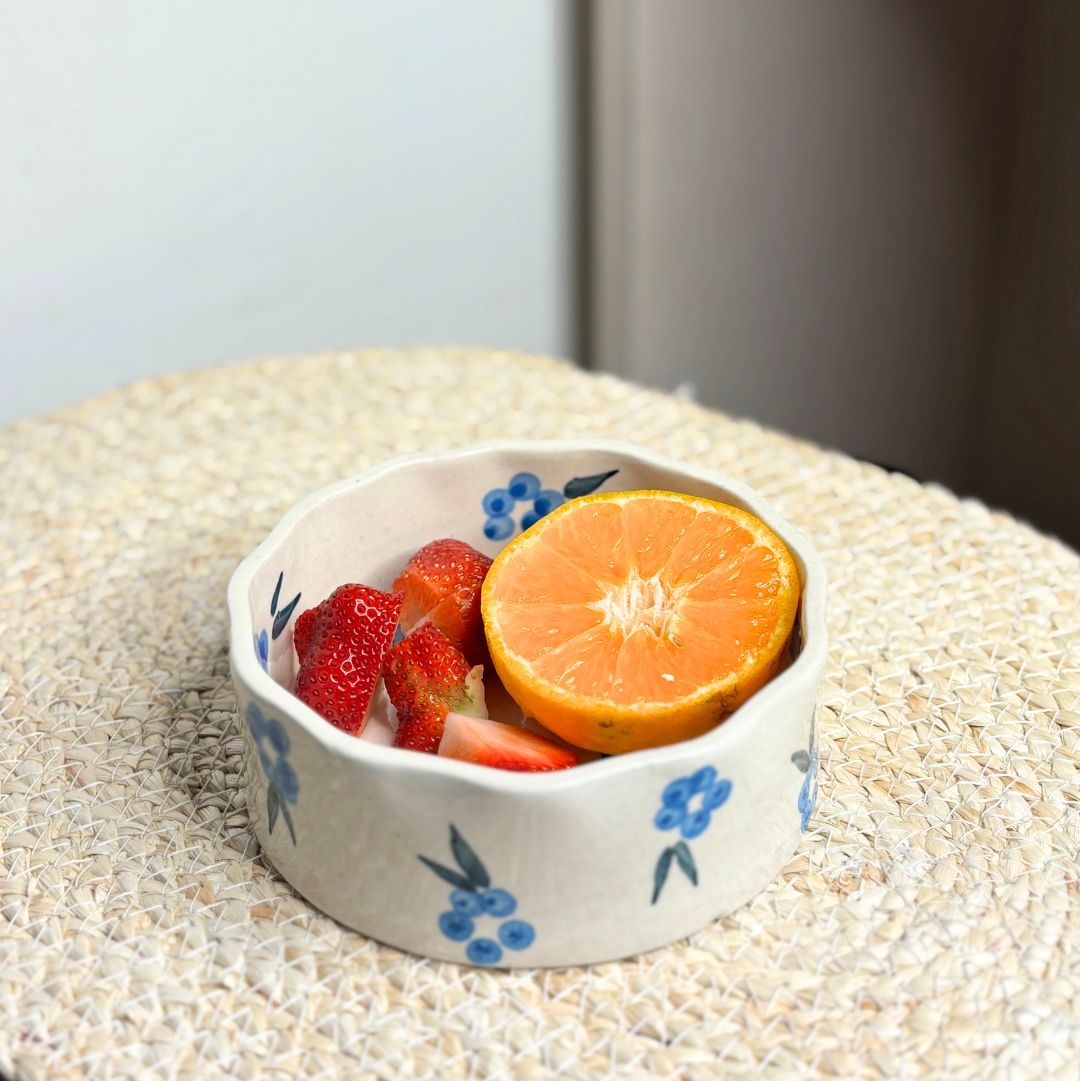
(687, 804)
(498, 902)
(282, 784)
(473, 900)
(498, 501)
(498, 528)
(516, 934)
(499, 504)
(807, 761)
(456, 925)
(546, 502)
(262, 649)
(467, 902)
(482, 951)
(524, 486)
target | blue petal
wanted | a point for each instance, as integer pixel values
(275, 733)
(547, 501)
(517, 934)
(804, 794)
(284, 779)
(498, 902)
(499, 527)
(456, 926)
(695, 824)
(466, 901)
(262, 649)
(524, 486)
(529, 519)
(717, 795)
(483, 951)
(703, 778)
(498, 502)
(678, 793)
(667, 818)
(255, 720)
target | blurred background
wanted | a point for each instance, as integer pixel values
(856, 222)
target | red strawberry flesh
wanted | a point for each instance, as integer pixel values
(341, 645)
(427, 677)
(303, 630)
(442, 583)
(504, 746)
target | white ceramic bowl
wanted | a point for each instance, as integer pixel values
(465, 863)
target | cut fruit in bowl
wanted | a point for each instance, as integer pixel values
(504, 746)
(636, 619)
(618, 622)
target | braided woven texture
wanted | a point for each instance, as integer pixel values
(928, 926)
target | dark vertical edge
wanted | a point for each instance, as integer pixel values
(582, 20)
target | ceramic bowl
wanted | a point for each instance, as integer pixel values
(483, 866)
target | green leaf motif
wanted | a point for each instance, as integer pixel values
(277, 593)
(468, 860)
(273, 805)
(686, 861)
(288, 820)
(584, 485)
(281, 620)
(801, 759)
(663, 865)
(447, 875)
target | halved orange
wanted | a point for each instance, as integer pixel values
(634, 619)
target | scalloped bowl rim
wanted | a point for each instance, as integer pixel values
(247, 669)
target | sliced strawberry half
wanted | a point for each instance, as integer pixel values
(341, 645)
(441, 584)
(426, 678)
(303, 630)
(504, 746)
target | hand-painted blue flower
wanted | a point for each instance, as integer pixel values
(547, 501)
(701, 788)
(275, 733)
(466, 901)
(253, 716)
(516, 934)
(808, 793)
(499, 527)
(272, 743)
(262, 649)
(283, 777)
(524, 486)
(498, 902)
(483, 951)
(456, 925)
(529, 519)
(498, 502)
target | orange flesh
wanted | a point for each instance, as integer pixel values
(645, 598)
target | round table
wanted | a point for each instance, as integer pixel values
(928, 926)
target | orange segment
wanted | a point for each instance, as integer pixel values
(634, 619)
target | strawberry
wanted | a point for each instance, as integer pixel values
(441, 583)
(427, 677)
(504, 746)
(341, 644)
(303, 630)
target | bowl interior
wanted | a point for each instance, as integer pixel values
(366, 530)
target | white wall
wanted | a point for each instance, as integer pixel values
(185, 184)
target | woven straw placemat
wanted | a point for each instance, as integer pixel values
(928, 926)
